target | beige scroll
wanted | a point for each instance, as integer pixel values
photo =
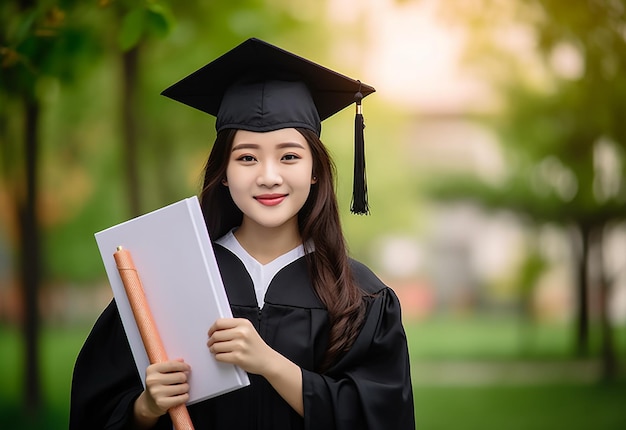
(147, 328)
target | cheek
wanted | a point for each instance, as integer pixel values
(303, 180)
(235, 175)
(238, 194)
(236, 182)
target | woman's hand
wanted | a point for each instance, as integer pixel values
(236, 341)
(166, 387)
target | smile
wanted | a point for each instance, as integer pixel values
(270, 199)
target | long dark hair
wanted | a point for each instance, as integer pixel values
(318, 221)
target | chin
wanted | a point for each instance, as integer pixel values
(274, 221)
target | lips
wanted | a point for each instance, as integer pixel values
(270, 199)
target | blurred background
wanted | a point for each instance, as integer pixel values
(496, 165)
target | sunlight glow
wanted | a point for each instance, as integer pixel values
(413, 58)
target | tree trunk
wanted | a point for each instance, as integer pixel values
(582, 304)
(130, 60)
(608, 353)
(30, 263)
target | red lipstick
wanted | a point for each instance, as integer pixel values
(270, 199)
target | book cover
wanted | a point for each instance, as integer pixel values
(174, 258)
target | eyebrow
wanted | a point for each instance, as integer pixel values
(241, 146)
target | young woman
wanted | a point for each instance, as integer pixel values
(319, 334)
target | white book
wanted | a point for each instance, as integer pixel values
(174, 258)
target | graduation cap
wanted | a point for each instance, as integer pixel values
(259, 87)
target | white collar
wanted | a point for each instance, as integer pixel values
(261, 274)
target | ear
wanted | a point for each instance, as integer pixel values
(314, 180)
(224, 182)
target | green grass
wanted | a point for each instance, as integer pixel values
(59, 348)
(498, 337)
(521, 408)
(572, 406)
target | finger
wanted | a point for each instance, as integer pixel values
(171, 390)
(164, 397)
(167, 386)
(222, 324)
(243, 329)
(228, 323)
(226, 346)
(167, 378)
(223, 335)
(171, 366)
(167, 402)
(231, 357)
(239, 334)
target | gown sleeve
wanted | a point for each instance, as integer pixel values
(370, 387)
(105, 382)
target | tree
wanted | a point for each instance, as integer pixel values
(561, 125)
(139, 20)
(38, 41)
(45, 44)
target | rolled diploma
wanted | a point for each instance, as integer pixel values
(147, 327)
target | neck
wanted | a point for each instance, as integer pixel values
(266, 244)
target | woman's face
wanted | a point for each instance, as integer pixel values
(269, 175)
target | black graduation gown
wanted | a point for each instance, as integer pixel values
(367, 388)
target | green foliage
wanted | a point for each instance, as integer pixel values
(146, 19)
(67, 55)
(561, 127)
(132, 28)
(42, 40)
(560, 106)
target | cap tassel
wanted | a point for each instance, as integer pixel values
(359, 186)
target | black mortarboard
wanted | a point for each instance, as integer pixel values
(254, 85)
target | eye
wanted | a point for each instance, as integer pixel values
(246, 158)
(291, 157)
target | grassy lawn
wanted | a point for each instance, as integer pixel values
(499, 338)
(574, 407)
(438, 407)
(59, 348)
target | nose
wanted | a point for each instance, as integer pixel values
(269, 175)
